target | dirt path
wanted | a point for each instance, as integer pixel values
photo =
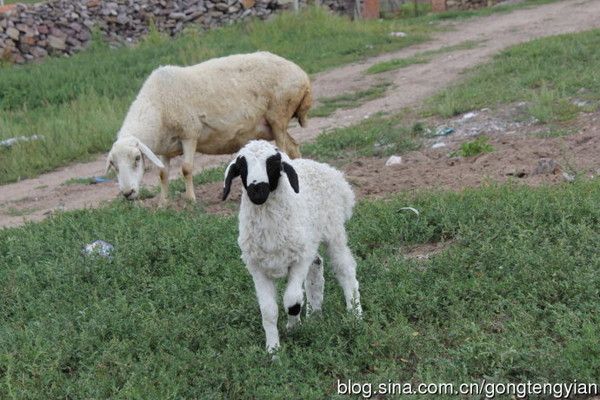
(34, 199)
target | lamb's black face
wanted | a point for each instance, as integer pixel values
(259, 176)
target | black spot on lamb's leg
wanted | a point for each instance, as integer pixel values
(317, 260)
(295, 309)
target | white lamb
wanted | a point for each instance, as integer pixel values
(214, 108)
(282, 222)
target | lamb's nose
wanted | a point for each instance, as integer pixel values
(258, 192)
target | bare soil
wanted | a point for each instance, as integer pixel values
(34, 199)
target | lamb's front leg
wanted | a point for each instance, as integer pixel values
(164, 180)
(266, 294)
(293, 297)
(189, 151)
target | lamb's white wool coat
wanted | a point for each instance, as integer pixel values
(281, 237)
(214, 108)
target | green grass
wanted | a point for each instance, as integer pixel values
(78, 103)
(548, 73)
(474, 147)
(420, 58)
(78, 181)
(207, 176)
(173, 313)
(376, 136)
(329, 105)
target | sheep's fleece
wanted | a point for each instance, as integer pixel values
(214, 108)
(287, 209)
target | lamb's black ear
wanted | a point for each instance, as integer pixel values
(292, 176)
(231, 172)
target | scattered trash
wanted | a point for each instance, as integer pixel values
(546, 166)
(367, 116)
(580, 103)
(568, 177)
(99, 247)
(398, 34)
(468, 116)
(438, 145)
(410, 209)
(443, 131)
(393, 160)
(8, 143)
(99, 179)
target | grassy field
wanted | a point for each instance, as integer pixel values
(329, 105)
(78, 103)
(514, 297)
(420, 58)
(548, 73)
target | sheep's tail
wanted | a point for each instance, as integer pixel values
(302, 111)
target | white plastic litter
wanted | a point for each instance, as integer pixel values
(8, 143)
(410, 209)
(99, 247)
(398, 34)
(393, 160)
(438, 145)
(469, 115)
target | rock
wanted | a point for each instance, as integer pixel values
(57, 43)
(38, 52)
(247, 3)
(393, 160)
(546, 166)
(13, 33)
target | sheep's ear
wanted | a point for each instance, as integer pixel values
(231, 172)
(292, 176)
(148, 153)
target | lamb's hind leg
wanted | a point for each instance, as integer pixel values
(189, 150)
(314, 286)
(293, 297)
(344, 267)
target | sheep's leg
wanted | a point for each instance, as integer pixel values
(284, 141)
(344, 267)
(293, 297)
(189, 150)
(266, 294)
(314, 286)
(164, 180)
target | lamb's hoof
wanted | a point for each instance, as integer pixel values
(316, 313)
(292, 322)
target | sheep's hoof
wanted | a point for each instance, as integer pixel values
(190, 198)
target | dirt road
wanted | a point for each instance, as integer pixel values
(34, 199)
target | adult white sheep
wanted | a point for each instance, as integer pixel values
(214, 108)
(282, 222)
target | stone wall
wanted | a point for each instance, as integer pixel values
(469, 4)
(63, 27)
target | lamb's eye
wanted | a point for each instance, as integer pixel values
(137, 159)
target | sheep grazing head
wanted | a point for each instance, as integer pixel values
(259, 164)
(127, 159)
